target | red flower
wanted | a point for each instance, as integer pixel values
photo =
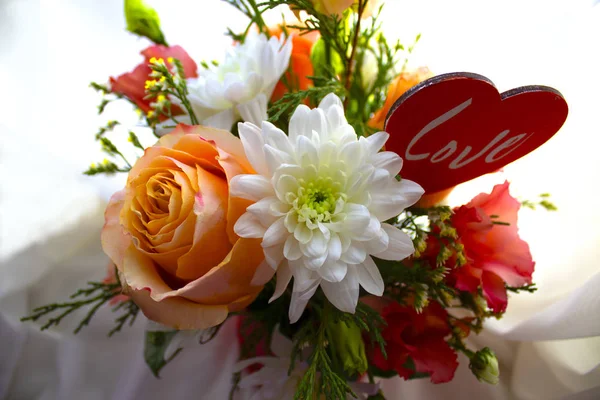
(419, 336)
(132, 84)
(495, 253)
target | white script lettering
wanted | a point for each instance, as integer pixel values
(450, 148)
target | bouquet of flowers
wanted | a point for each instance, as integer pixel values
(297, 187)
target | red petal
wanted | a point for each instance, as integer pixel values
(437, 358)
(467, 278)
(189, 66)
(494, 291)
(132, 85)
(436, 319)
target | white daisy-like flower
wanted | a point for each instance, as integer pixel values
(240, 86)
(321, 196)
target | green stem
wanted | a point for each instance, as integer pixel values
(124, 159)
(349, 66)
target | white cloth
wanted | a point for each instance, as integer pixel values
(50, 215)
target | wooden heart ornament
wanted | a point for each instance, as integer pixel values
(455, 127)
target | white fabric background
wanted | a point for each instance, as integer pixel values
(50, 215)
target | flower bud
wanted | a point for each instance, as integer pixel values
(484, 366)
(321, 61)
(346, 340)
(143, 21)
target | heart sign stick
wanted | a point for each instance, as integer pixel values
(455, 127)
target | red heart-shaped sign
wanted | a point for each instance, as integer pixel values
(455, 127)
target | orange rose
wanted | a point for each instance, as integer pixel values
(399, 85)
(300, 64)
(170, 231)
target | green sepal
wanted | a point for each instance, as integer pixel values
(143, 21)
(155, 345)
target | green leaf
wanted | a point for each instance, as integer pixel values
(155, 345)
(143, 21)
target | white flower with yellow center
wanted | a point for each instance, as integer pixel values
(242, 84)
(321, 195)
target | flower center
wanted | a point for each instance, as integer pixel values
(316, 200)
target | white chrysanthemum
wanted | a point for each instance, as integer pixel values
(242, 84)
(321, 196)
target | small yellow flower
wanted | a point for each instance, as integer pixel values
(150, 114)
(422, 244)
(156, 61)
(150, 84)
(170, 60)
(448, 231)
(105, 162)
(445, 215)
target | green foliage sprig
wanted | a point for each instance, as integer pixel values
(529, 288)
(543, 201)
(168, 83)
(366, 98)
(320, 378)
(251, 10)
(96, 295)
(105, 167)
(281, 111)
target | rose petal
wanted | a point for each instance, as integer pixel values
(211, 243)
(178, 312)
(114, 239)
